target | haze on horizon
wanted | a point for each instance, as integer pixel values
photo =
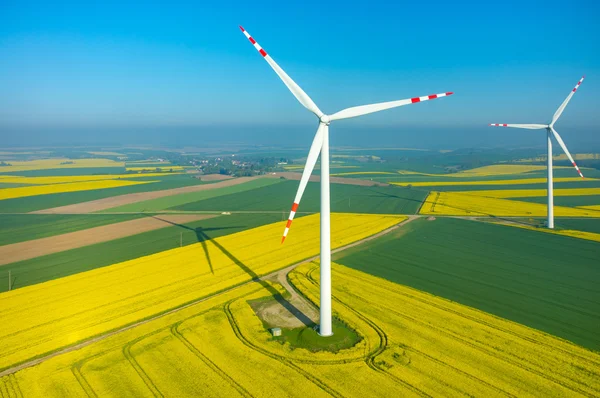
(181, 74)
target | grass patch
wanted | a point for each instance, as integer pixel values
(344, 198)
(308, 338)
(184, 198)
(23, 227)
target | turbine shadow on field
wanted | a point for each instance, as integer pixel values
(274, 292)
(203, 237)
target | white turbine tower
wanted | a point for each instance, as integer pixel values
(549, 132)
(321, 144)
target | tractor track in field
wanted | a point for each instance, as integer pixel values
(275, 274)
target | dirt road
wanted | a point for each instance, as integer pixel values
(280, 275)
(72, 240)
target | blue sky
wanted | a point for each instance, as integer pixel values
(179, 66)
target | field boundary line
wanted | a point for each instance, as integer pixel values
(137, 367)
(83, 383)
(194, 350)
(423, 202)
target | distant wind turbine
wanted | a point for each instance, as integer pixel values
(321, 144)
(549, 132)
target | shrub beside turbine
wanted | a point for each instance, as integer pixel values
(320, 145)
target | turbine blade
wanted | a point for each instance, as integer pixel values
(311, 160)
(521, 126)
(564, 147)
(366, 109)
(300, 95)
(562, 106)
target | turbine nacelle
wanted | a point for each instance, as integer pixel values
(550, 127)
(320, 145)
(324, 120)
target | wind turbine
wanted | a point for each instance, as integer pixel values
(320, 145)
(549, 132)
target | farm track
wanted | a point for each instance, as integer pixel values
(127, 353)
(175, 332)
(104, 336)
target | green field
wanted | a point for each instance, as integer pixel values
(33, 203)
(181, 199)
(11, 185)
(569, 201)
(545, 281)
(57, 265)
(344, 198)
(581, 224)
(83, 171)
(22, 227)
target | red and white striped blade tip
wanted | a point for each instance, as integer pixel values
(498, 124)
(578, 84)
(579, 171)
(282, 239)
(430, 97)
(254, 43)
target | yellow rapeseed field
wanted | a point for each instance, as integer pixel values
(488, 182)
(58, 163)
(463, 204)
(41, 318)
(20, 192)
(414, 344)
(487, 171)
(437, 347)
(67, 179)
(530, 193)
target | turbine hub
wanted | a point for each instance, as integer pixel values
(325, 120)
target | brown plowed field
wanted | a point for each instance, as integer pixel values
(114, 201)
(72, 240)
